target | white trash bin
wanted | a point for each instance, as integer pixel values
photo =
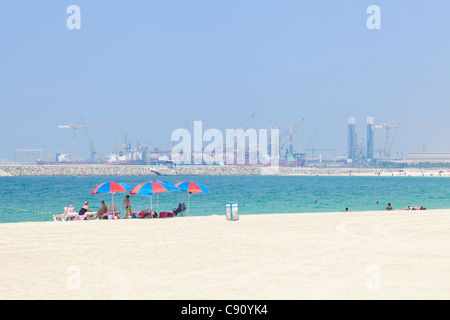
(232, 211)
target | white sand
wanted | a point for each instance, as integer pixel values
(357, 255)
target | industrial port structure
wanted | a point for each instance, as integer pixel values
(359, 152)
(126, 154)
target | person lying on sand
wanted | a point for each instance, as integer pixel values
(414, 208)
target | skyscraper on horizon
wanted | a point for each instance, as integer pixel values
(351, 139)
(370, 138)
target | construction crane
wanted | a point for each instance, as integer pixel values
(74, 136)
(136, 127)
(232, 143)
(245, 128)
(91, 142)
(388, 127)
(289, 138)
(127, 140)
(243, 131)
(427, 144)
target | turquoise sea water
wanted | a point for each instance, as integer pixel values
(255, 194)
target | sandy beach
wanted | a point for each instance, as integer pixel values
(355, 255)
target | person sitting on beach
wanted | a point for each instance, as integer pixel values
(102, 210)
(71, 209)
(389, 207)
(84, 209)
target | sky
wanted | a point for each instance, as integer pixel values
(150, 67)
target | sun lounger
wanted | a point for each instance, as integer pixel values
(87, 216)
(69, 213)
(80, 217)
(60, 217)
(90, 215)
(70, 216)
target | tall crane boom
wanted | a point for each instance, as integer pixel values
(136, 127)
(74, 135)
(291, 133)
(90, 141)
(245, 128)
(243, 131)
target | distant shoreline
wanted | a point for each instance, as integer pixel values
(196, 170)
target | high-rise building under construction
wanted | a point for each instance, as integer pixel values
(370, 139)
(351, 139)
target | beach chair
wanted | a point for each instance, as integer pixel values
(61, 217)
(87, 216)
(90, 215)
(112, 213)
(71, 214)
(80, 217)
(180, 210)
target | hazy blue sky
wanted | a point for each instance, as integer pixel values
(220, 61)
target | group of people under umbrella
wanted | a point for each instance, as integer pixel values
(150, 188)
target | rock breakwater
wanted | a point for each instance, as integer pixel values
(192, 170)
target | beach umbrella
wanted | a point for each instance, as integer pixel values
(112, 188)
(191, 187)
(169, 186)
(148, 189)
